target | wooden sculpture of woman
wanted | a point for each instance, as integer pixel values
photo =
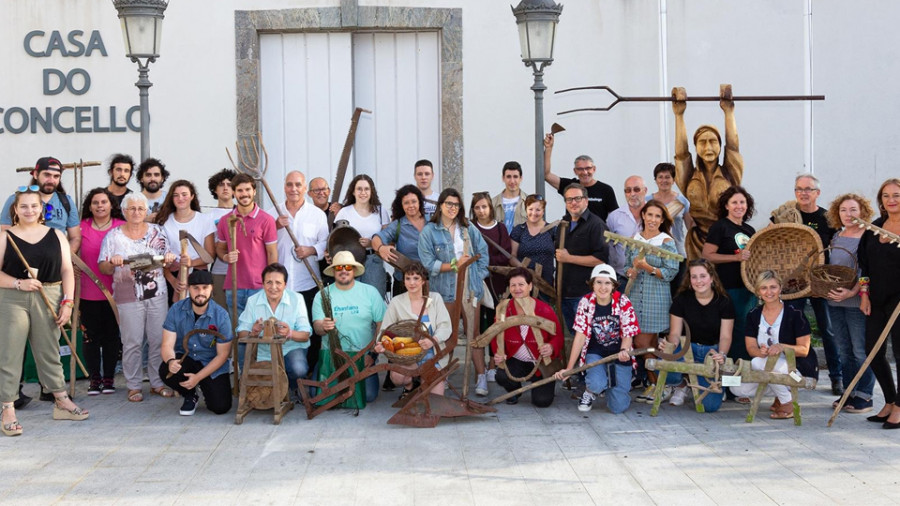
(703, 183)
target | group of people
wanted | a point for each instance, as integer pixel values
(248, 265)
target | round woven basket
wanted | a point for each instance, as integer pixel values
(786, 249)
(405, 328)
(827, 277)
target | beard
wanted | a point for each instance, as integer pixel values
(48, 188)
(121, 184)
(151, 187)
(200, 301)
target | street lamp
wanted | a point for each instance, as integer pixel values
(142, 30)
(537, 21)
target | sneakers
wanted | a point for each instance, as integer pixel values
(94, 389)
(678, 396)
(646, 395)
(481, 386)
(586, 402)
(189, 406)
(512, 401)
(858, 405)
(491, 375)
(109, 386)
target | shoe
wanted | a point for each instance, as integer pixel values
(163, 392)
(404, 394)
(77, 414)
(491, 375)
(667, 393)
(891, 425)
(481, 386)
(837, 388)
(12, 428)
(512, 401)
(189, 406)
(46, 396)
(108, 386)
(135, 396)
(777, 404)
(637, 383)
(94, 389)
(784, 412)
(743, 400)
(678, 396)
(23, 399)
(388, 385)
(877, 418)
(858, 405)
(586, 402)
(647, 395)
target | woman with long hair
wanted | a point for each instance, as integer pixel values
(402, 233)
(100, 214)
(22, 310)
(363, 210)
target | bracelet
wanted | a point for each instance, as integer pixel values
(67, 303)
(17, 284)
(453, 265)
(171, 359)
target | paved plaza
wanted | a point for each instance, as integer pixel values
(146, 454)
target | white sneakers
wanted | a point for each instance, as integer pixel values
(586, 402)
(678, 396)
(491, 375)
(481, 386)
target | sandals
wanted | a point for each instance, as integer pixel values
(75, 414)
(9, 429)
(135, 396)
(743, 400)
(163, 391)
(783, 412)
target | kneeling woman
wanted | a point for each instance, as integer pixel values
(407, 306)
(521, 349)
(776, 327)
(605, 325)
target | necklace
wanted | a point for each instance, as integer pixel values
(104, 226)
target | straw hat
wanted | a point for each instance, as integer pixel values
(345, 258)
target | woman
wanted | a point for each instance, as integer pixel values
(848, 323)
(402, 234)
(677, 204)
(605, 325)
(484, 218)
(408, 306)
(879, 261)
(181, 211)
(726, 248)
(528, 240)
(650, 293)
(521, 349)
(140, 294)
(22, 310)
(447, 241)
(364, 212)
(703, 307)
(100, 213)
(771, 328)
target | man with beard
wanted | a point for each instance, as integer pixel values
(120, 168)
(205, 362)
(151, 176)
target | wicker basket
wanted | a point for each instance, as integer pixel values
(406, 328)
(827, 277)
(789, 250)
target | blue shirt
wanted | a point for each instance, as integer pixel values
(201, 346)
(621, 222)
(405, 237)
(58, 217)
(290, 309)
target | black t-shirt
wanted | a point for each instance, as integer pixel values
(722, 233)
(585, 239)
(704, 321)
(601, 197)
(606, 333)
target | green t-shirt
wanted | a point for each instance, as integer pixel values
(356, 311)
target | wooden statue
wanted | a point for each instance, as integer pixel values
(704, 182)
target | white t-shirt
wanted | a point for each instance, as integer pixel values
(215, 214)
(431, 207)
(200, 226)
(368, 226)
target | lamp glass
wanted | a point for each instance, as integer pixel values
(142, 35)
(536, 38)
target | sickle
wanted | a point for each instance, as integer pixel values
(201, 251)
(93, 277)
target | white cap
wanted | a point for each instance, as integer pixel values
(604, 271)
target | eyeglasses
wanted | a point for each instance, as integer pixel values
(576, 200)
(805, 190)
(135, 209)
(32, 188)
(347, 268)
(584, 169)
(319, 190)
(636, 189)
(48, 211)
(452, 205)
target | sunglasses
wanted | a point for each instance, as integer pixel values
(348, 268)
(536, 196)
(48, 212)
(32, 188)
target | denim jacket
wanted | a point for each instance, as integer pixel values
(436, 248)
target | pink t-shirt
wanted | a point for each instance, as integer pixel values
(91, 240)
(254, 232)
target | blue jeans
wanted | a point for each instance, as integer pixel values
(569, 308)
(848, 324)
(296, 366)
(743, 302)
(597, 380)
(242, 295)
(832, 356)
(712, 402)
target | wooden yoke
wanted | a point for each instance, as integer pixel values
(643, 248)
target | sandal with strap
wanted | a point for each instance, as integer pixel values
(784, 412)
(75, 414)
(135, 396)
(162, 391)
(9, 429)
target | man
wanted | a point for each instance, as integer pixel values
(626, 221)
(151, 176)
(289, 309)
(601, 197)
(220, 188)
(205, 362)
(806, 191)
(584, 248)
(120, 168)
(320, 191)
(60, 212)
(310, 227)
(357, 311)
(509, 205)
(423, 172)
